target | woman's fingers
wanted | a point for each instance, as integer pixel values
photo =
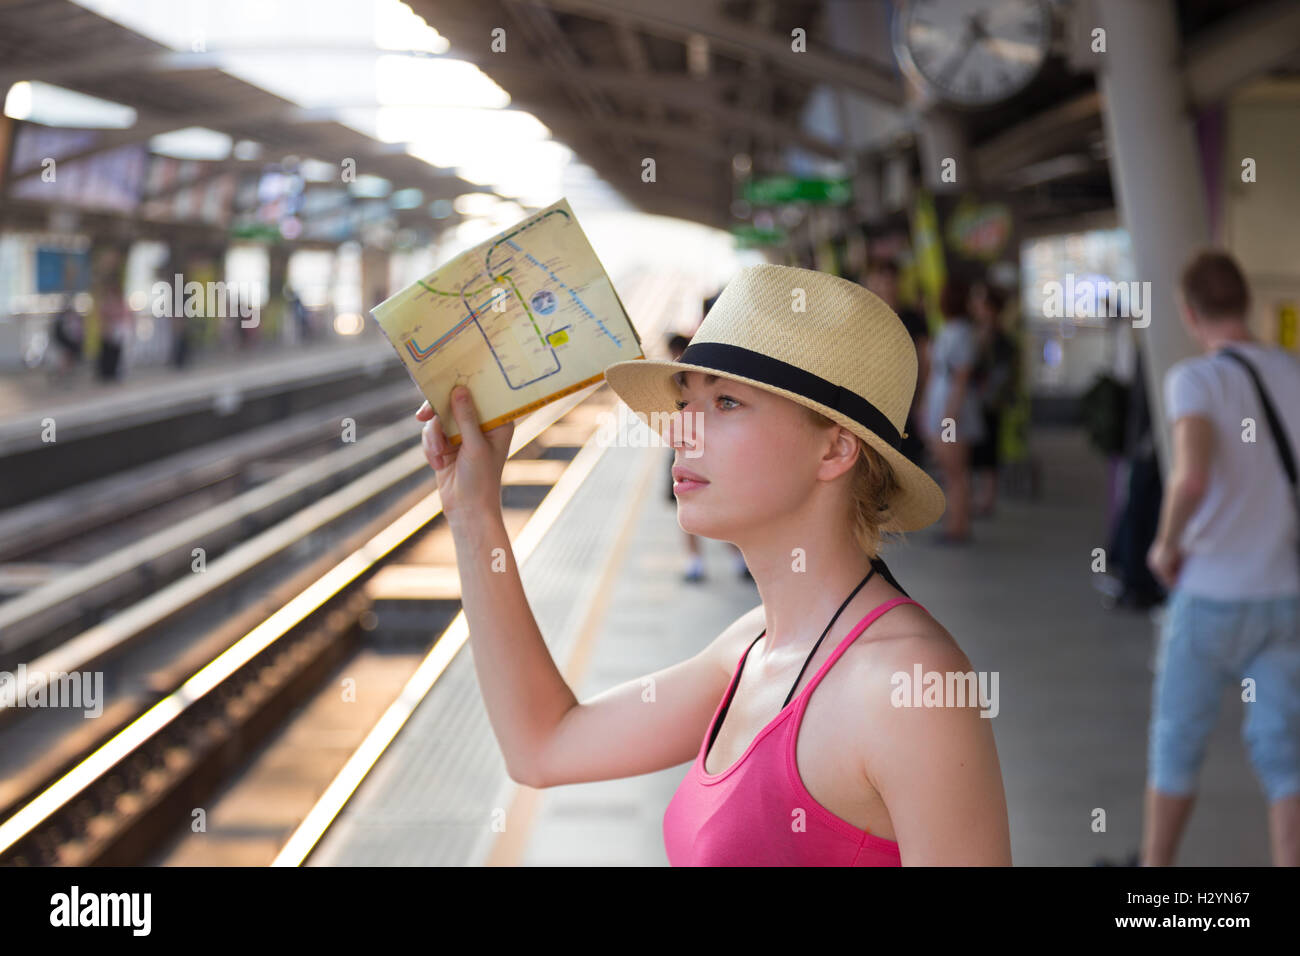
(426, 439)
(424, 412)
(467, 421)
(436, 448)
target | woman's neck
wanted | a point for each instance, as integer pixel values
(801, 596)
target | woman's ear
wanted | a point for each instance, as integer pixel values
(845, 449)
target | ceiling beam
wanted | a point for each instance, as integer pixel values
(1242, 47)
(677, 19)
(1038, 137)
(632, 49)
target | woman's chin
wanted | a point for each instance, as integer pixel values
(705, 529)
(693, 523)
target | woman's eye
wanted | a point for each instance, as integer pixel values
(722, 398)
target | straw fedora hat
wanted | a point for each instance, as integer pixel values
(818, 340)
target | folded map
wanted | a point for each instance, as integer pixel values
(522, 319)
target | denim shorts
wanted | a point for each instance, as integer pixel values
(1205, 645)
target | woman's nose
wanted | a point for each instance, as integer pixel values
(684, 434)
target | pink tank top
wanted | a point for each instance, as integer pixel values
(746, 815)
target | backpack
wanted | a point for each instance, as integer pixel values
(1105, 413)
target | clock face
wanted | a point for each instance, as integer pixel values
(972, 52)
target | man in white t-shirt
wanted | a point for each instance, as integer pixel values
(1227, 550)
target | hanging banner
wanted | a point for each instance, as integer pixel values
(979, 231)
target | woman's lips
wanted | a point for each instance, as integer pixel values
(688, 485)
(685, 480)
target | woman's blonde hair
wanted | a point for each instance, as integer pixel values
(871, 491)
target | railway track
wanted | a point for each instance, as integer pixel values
(247, 694)
(214, 499)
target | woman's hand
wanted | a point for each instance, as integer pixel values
(469, 475)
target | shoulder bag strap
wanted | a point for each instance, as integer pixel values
(1274, 423)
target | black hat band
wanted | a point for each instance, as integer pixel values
(736, 360)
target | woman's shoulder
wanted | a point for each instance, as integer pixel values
(909, 641)
(902, 638)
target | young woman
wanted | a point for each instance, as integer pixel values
(808, 747)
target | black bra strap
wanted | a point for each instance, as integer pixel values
(876, 564)
(809, 658)
(879, 564)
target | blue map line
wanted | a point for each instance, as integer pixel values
(582, 305)
(421, 353)
(474, 314)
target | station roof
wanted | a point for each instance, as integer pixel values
(63, 43)
(694, 84)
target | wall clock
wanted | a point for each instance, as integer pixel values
(972, 53)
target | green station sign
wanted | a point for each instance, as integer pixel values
(750, 237)
(772, 190)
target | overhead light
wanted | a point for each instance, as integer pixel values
(315, 171)
(348, 323)
(367, 186)
(476, 204)
(507, 212)
(460, 136)
(533, 173)
(398, 27)
(407, 199)
(440, 208)
(192, 142)
(51, 105)
(246, 150)
(419, 82)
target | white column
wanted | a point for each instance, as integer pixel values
(1156, 175)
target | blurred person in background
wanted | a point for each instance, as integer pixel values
(69, 334)
(298, 315)
(882, 279)
(1119, 372)
(115, 318)
(1228, 548)
(953, 422)
(181, 337)
(1135, 525)
(246, 329)
(995, 382)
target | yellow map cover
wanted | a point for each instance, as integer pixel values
(522, 319)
